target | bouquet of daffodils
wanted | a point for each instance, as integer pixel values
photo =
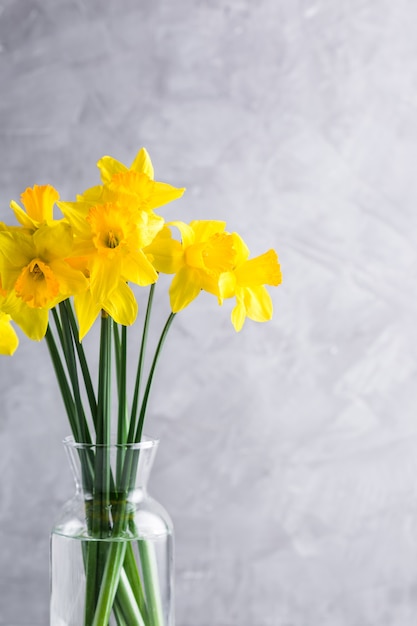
(59, 274)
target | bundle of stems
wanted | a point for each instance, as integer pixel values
(113, 580)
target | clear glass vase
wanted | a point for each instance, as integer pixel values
(112, 544)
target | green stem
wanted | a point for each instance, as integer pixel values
(109, 583)
(103, 430)
(135, 402)
(69, 352)
(63, 383)
(86, 456)
(127, 600)
(122, 417)
(91, 580)
(151, 375)
(151, 581)
(58, 325)
(101, 505)
(83, 362)
(132, 573)
(122, 421)
(118, 613)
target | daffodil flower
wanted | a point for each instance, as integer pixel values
(246, 282)
(132, 187)
(108, 239)
(204, 253)
(35, 274)
(112, 223)
(39, 203)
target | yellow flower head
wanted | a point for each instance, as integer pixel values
(110, 228)
(204, 253)
(39, 204)
(110, 167)
(35, 275)
(37, 285)
(109, 240)
(112, 224)
(132, 187)
(247, 283)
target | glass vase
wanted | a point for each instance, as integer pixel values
(112, 544)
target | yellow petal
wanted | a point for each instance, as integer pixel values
(53, 241)
(33, 322)
(238, 316)
(8, 338)
(16, 250)
(122, 305)
(149, 226)
(94, 195)
(204, 229)
(137, 189)
(165, 253)
(104, 277)
(258, 304)
(76, 213)
(210, 282)
(227, 285)
(71, 281)
(184, 288)
(22, 216)
(162, 193)
(87, 311)
(109, 167)
(186, 232)
(137, 269)
(142, 163)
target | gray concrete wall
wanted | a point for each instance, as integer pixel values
(288, 455)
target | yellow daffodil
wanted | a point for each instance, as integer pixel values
(204, 253)
(246, 282)
(39, 204)
(35, 274)
(131, 189)
(8, 338)
(132, 186)
(109, 240)
(110, 167)
(112, 223)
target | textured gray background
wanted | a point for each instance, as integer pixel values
(288, 455)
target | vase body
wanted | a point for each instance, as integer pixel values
(112, 544)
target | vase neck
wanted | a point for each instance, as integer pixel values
(117, 469)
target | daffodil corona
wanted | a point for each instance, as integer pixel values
(39, 203)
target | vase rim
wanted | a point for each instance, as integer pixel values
(145, 443)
